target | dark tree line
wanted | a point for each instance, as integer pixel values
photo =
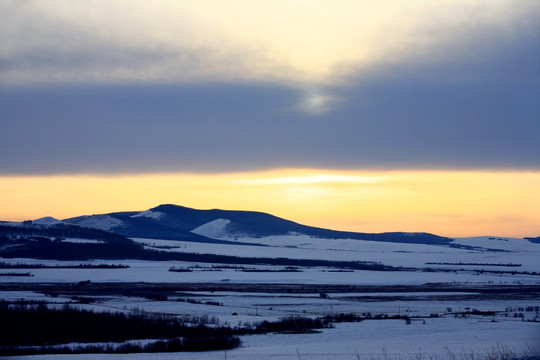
(5, 265)
(33, 328)
(170, 345)
(25, 324)
(473, 264)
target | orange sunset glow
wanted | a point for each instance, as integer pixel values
(448, 203)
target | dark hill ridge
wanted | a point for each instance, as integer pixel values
(175, 222)
(143, 227)
(62, 230)
(534, 240)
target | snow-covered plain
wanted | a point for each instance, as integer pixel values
(372, 338)
(511, 251)
(157, 271)
(368, 340)
(379, 339)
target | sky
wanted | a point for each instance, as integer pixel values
(354, 115)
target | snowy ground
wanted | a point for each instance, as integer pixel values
(378, 339)
(511, 250)
(423, 337)
(157, 271)
(427, 336)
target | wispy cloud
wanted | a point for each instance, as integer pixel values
(297, 43)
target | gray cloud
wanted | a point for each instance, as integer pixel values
(398, 122)
(477, 110)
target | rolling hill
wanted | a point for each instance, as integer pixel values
(173, 222)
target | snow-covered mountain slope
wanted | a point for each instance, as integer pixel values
(217, 229)
(47, 220)
(156, 215)
(181, 223)
(153, 224)
(100, 222)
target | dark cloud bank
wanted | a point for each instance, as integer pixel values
(482, 113)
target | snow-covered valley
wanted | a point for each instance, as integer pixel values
(445, 300)
(428, 334)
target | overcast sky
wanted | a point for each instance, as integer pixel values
(110, 87)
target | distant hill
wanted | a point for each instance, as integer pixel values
(46, 239)
(535, 240)
(52, 228)
(175, 222)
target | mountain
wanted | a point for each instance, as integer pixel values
(146, 224)
(173, 222)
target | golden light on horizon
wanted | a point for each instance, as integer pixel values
(449, 203)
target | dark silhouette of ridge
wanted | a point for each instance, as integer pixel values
(176, 222)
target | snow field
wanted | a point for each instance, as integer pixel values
(516, 251)
(377, 339)
(368, 339)
(157, 271)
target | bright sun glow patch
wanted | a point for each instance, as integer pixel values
(316, 102)
(316, 179)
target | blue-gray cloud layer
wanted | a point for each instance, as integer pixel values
(482, 111)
